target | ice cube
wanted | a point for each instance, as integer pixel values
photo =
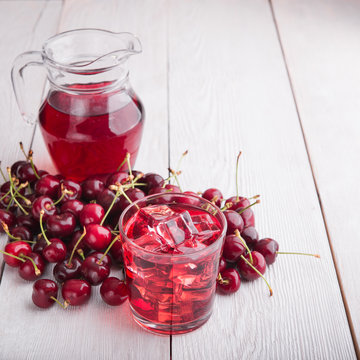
(156, 213)
(207, 228)
(190, 246)
(151, 242)
(177, 229)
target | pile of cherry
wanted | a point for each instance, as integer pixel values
(50, 219)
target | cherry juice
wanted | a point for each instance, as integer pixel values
(89, 134)
(171, 264)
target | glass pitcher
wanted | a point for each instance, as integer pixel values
(91, 116)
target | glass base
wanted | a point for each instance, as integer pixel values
(167, 329)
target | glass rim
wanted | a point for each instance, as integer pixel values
(165, 255)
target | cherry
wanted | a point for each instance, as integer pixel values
(8, 218)
(222, 265)
(116, 251)
(213, 195)
(268, 248)
(118, 177)
(18, 249)
(27, 270)
(72, 206)
(29, 222)
(233, 248)
(76, 292)
(44, 293)
(15, 167)
(41, 173)
(248, 218)
(158, 190)
(64, 271)
(131, 194)
(54, 251)
(258, 262)
(250, 235)
(73, 190)
(237, 203)
(228, 281)
(172, 188)
(91, 188)
(105, 259)
(93, 271)
(40, 245)
(22, 233)
(105, 199)
(61, 225)
(91, 214)
(47, 185)
(25, 172)
(234, 221)
(97, 237)
(43, 203)
(74, 239)
(152, 181)
(113, 291)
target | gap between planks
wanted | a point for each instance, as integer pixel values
(347, 310)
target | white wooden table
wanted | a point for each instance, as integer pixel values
(277, 79)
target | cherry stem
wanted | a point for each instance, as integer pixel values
(37, 271)
(118, 193)
(7, 194)
(22, 150)
(237, 233)
(181, 158)
(6, 229)
(12, 186)
(81, 254)
(222, 281)
(122, 163)
(175, 174)
(254, 197)
(64, 306)
(42, 212)
(75, 247)
(237, 176)
(63, 193)
(126, 197)
(11, 255)
(116, 238)
(18, 194)
(249, 206)
(2, 173)
(227, 206)
(30, 157)
(127, 157)
(298, 253)
(258, 272)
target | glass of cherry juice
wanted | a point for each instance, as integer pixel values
(172, 245)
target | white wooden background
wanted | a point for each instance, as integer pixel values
(278, 79)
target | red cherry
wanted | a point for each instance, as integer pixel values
(61, 225)
(43, 203)
(47, 185)
(113, 291)
(94, 272)
(268, 248)
(248, 218)
(234, 221)
(213, 195)
(222, 265)
(29, 222)
(91, 214)
(22, 232)
(105, 199)
(25, 172)
(76, 292)
(16, 248)
(250, 235)
(116, 251)
(229, 282)
(40, 245)
(233, 248)
(55, 251)
(72, 206)
(74, 239)
(97, 237)
(73, 187)
(133, 195)
(44, 292)
(64, 271)
(8, 218)
(152, 181)
(118, 177)
(258, 262)
(7, 202)
(237, 204)
(27, 269)
(15, 167)
(91, 188)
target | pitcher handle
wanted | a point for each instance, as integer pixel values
(19, 84)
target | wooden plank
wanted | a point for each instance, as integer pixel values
(98, 331)
(228, 91)
(320, 40)
(21, 33)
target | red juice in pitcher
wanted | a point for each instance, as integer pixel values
(90, 134)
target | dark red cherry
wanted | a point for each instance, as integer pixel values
(118, 177)
(91, 188)
(91, 214)
(250, 235)
(22, 233)
(15, 167)
(72, 186)
(116, 251)
(152, 181)
(213, 195)
(76, 292)
(268, 248)
(158, 190)
(47, 185)
(101, 177)
(43, 292)
(16, 248)
(42, 173)
(43, 203)
(172, 188)
(55, 251)
(64, 271)
(25, 172)
(106, 260)
(61, 225)
(133, 195)
(246, 271)
(113, 291)
(237, 204)
(248, 218)
(27, 270)
(233, 248)
(8, 218)
(94, 272)
(234, 221)
(229, 282)
(222, 264)
(105, 199)
(5, 200)
(193, 200)
(74, 239)
(40, 245)
(97, 237)
(29, 222)
(72, 206)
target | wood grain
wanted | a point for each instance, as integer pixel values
(229, 91)
(327, 90)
